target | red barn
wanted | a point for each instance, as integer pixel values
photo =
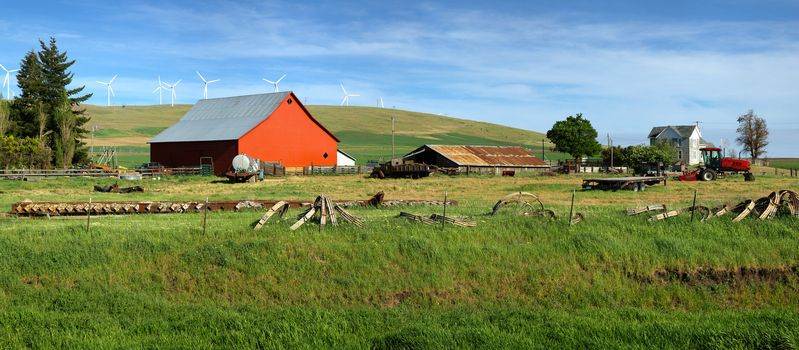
(272, 127)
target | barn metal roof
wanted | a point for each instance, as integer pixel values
(512, 156)
(219, 119)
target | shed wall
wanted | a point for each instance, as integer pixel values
(498, 169)
(431, 157)
(343, 160)
(177, 154)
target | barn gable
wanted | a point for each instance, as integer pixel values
(292, 137)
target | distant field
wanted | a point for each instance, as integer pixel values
(784, 163)
(365, 132)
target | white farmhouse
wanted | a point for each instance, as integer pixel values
(686, 138)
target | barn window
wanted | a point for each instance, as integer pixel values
(325, 155)
(289, 101)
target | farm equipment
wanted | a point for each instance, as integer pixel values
(399, 169)
(715, 166)
(245, 169)
(116, 189)
(634, 183)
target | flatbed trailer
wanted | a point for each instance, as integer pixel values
(635, 183)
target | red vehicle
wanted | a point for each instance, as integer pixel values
(716, 166)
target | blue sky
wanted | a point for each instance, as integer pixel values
(626, 65)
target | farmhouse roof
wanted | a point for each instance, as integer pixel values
(684, 131)
(227, 118)
(511, 156)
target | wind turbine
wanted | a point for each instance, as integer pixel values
(346, 100)
(160, 90)
(172, 87)
(205, 85)
(381, 103)
(109, 90)
(275, 83)
(7, 81)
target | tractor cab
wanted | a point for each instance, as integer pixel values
(711, 157)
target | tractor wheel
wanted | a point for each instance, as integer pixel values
(749, 177)
(707, 175)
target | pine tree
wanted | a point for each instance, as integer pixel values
(24, 111)
(43, 79)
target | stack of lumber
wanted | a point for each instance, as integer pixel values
(280, 208)
(435, 218)
(765, 208)
(414, 217)
(644, 209)
(325, 210)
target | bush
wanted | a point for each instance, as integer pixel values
(17, 153)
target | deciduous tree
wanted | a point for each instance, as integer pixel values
(575, 136)
(752, 134)
(66, 121)
(5, 120)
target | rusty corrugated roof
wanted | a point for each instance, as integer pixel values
(488, 155)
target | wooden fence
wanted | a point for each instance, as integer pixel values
(34, 173)
(329, 170)
(25, 174)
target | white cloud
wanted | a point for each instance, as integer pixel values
(522, 70)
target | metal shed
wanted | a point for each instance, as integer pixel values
(477, 159)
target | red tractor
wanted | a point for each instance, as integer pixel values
(715, 166)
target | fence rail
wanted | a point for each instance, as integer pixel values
(25, 173)
(329, 170)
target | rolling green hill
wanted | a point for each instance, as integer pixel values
(365, 132)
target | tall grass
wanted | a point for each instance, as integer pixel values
(512, 281)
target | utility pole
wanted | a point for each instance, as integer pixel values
(91, 150)
(542, 150)
(610, 146)
(392, 137)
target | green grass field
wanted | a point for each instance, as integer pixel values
(612, 281)
(365, 132)
(784, 163)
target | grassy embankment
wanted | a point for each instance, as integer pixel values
(365, 132)
(784, 163)
(612, 281)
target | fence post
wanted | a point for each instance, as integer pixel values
(205, 214)
(89, 215)
(571, 209)
(444, 219)
(693, 207)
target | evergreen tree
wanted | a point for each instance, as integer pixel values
(24, 111)
(43, 79)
